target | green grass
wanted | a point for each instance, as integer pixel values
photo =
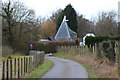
(89, 70)
(91, 74)
(41, 70)
(60, 55)
(118, 71)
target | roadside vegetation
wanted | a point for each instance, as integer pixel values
(41, 70)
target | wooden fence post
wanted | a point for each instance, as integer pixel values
(40, 59)
(37, 60)
(24, 66)
(33, 62)
(43, 54)
(18, 68)
(7, 69)
(116, 51)
(93, 48)
(43, 57)
(11, 68)
(21, 66)
(87, 49)
(15, 67)
(3, 71)
(29, 65)
(81, 49)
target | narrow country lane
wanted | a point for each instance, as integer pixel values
(64, 68)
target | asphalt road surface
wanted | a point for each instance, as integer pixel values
(64, 68)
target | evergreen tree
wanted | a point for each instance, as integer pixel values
(59, 20)
(71, 15)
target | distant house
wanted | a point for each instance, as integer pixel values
(49, 38)
(44, 40)
(65, 33)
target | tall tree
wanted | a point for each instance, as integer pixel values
(71, 15)
(7, 14)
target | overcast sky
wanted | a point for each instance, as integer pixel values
(89, 8)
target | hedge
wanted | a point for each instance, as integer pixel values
(90, 40)
(105, 44)
(51, 46)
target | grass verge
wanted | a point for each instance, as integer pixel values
(118, 71)
(89, 70)
(41, 70)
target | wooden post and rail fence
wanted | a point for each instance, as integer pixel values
(18, 67)
(84, 50)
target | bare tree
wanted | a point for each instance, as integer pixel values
(19, 23)
(55, 15)
(107, 24)
(84, 26)
(15, 14)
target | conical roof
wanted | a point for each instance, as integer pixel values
(64, 32)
